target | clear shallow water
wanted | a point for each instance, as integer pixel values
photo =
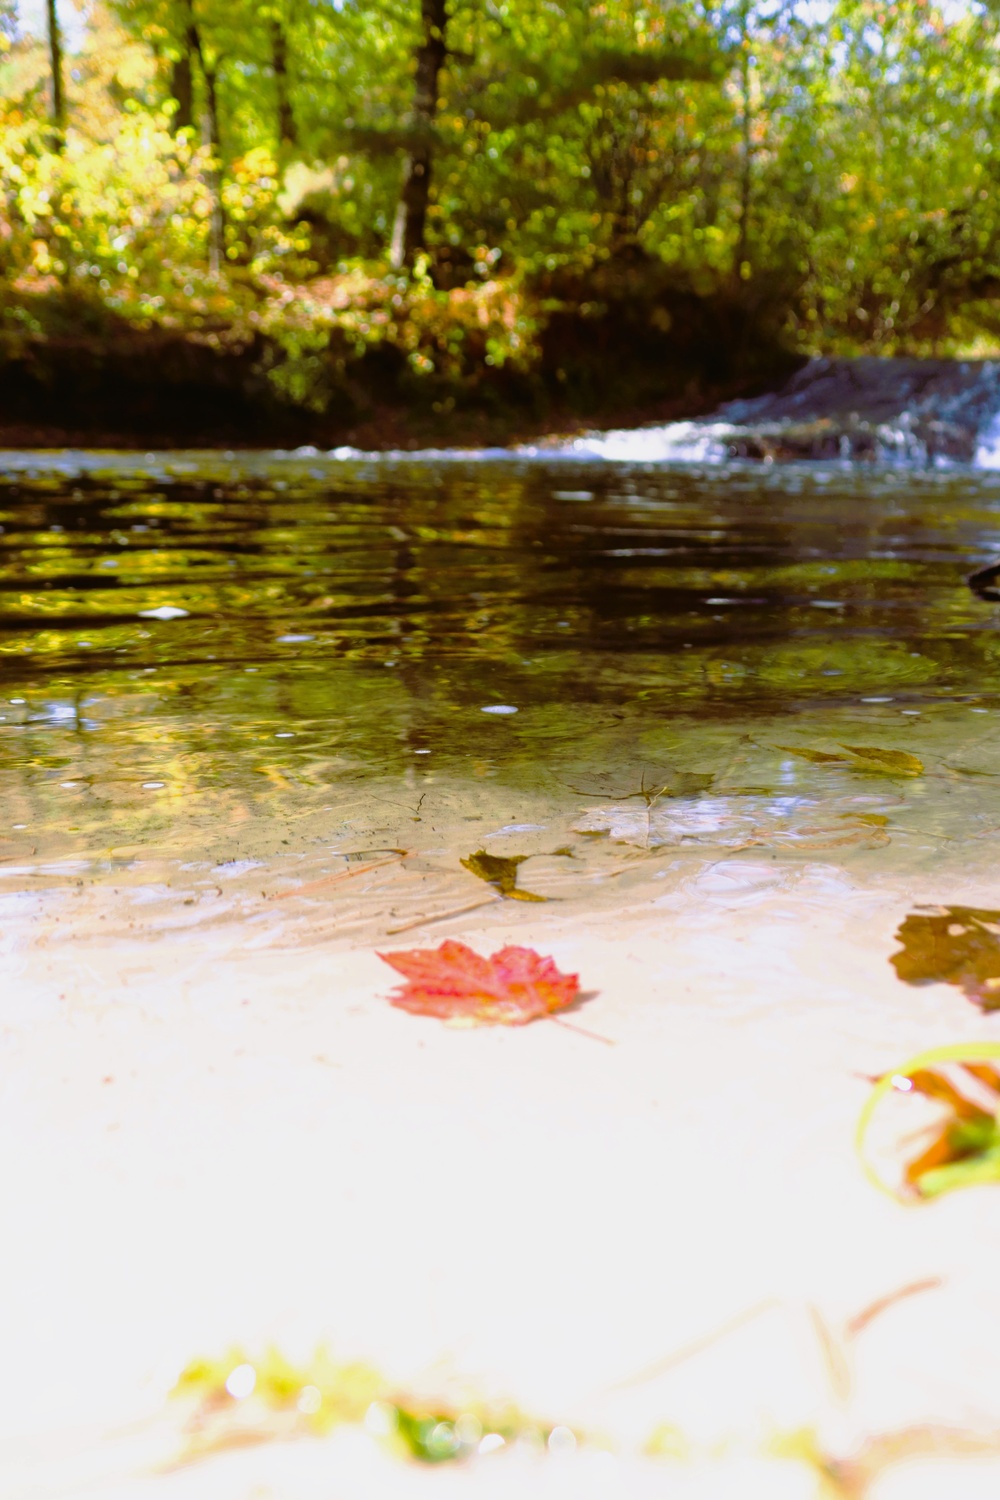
(207, 659)
(225, 683)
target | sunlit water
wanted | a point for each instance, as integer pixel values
(224, 676)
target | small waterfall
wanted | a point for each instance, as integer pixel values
(676, 442)
(987, 455)
(913, 413)
(910, 412)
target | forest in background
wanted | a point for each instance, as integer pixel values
(499, 206)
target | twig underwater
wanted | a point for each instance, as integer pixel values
(696, 1346)
(325, 880)
(443, 916)
(595, 1036)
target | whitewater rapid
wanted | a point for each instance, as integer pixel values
(914, 413)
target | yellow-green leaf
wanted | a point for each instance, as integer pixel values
(960, 1149)
(818, 757)
(500, 871)
(888, 762)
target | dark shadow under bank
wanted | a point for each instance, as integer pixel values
(633, 354)
(621, 348)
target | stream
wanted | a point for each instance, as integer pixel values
(705, 734)
(255, 666)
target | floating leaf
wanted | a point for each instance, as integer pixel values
(861, 758)
(500, 871)
(962, 1144)
(456, 984)
(954, 945)
(888, 762)
(818, 757)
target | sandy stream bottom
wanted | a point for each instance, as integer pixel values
(218, 1132)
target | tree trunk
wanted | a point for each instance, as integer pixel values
(210, 137)
(217, 225)
(182, 89)
(58, 113)
(211, 127)
(279, 63)
(408, 230)
(746, 164)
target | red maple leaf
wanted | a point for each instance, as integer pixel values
(512, 987)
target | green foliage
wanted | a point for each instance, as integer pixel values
(233, 170)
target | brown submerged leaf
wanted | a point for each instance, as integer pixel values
(861, 758)
(957, 945)
(500, 871)
(818, 757)
(888, 762)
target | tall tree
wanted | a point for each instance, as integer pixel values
(745, 71)
(58, 97)
(409, 227)
(182, 87)
(185, 23)
(279, 66)
(210, 136)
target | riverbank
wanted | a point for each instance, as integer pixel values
(154, 393)
(352, 361)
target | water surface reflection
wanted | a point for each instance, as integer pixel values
(209, 655)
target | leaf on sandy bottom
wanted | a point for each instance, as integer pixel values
(243, 1399)
(740, 822)
(456, 984)
(861, 758)
(500, 871)
(952, 945)
(960, 1146)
